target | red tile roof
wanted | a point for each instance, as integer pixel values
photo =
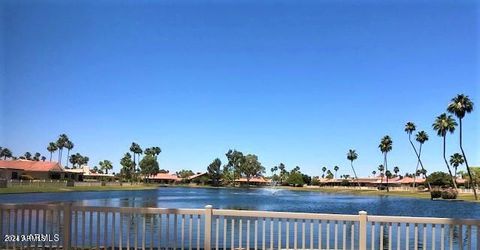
(164, 176)
(254, 179)
(34, 166)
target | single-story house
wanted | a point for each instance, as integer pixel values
(260, 180)
(40, 170)
(164, 178)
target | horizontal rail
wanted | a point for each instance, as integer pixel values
(422, 220)
(284, 215)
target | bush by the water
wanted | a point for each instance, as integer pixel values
(436, 193)
(449, 194)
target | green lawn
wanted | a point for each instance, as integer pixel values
(50, 189)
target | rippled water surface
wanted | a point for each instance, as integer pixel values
(259, 199)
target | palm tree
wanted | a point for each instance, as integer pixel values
(5, 153)
(351, 156)
(323, 170)
(28, 155)
(381, 168)
(409, 128)
(456, 160)
(374, 173)
(385, 147)
(52, 147)
(461, 105)
(105, 165)
(336, 168)
(421, 137)
(60, 145)
(68, 145)
(445, 124)
(396, 170)
(36, 157)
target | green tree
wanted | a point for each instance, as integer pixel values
(60, 143)
(52, 147)
(184, 173)
(351, 156)
(5, 153)
(374, 173)
(149, 166)
(440, 179)
(127, 167)
(445, 124)
(43, 158)
(214, 171)
(421, 137)
(461, 105)
(68, 145)
(105, 166)
(336, 168)
(455, 161)
(28, 155)
(295, 178)
(323, 172)
(235, 162)
(36, 156)
(396, 170)
(251, 167)
(385, 146)
(329, 174)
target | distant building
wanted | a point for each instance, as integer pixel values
(254, 181)
(164, 178)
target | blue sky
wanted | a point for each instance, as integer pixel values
(293, 82)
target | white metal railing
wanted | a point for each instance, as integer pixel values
(85, 227)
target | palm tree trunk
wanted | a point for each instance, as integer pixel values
(51, 156)
(354, 173)
(418, 162)
(473, 182)
(386, 169)
(60, 157)
(446, 162)
(68, 155)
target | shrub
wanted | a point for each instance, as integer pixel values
(26, 177)
(436, 193)
(449, 194)
(315, 182)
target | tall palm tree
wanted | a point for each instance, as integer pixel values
(409, 128)
(445, 124)
(455, 161)
(381, 170)
(385, 146)
(323, 170)
(60, 145)
(52, 147)
(421, 137)
(68, 145)
(459, 106)
(336, 168)
(351, 156)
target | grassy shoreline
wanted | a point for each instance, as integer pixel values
(53, 189)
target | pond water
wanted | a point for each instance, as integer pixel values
(259, 199)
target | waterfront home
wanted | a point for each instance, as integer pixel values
(26, 169)
(164, 178)
(259, 181)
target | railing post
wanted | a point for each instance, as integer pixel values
(67, 225)
(208, 227)
(362, 243)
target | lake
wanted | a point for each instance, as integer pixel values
(258, 199)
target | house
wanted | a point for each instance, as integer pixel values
(260, 180)
(164, 178)
(88, 174)
(40, 170)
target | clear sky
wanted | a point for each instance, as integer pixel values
(298, 82)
